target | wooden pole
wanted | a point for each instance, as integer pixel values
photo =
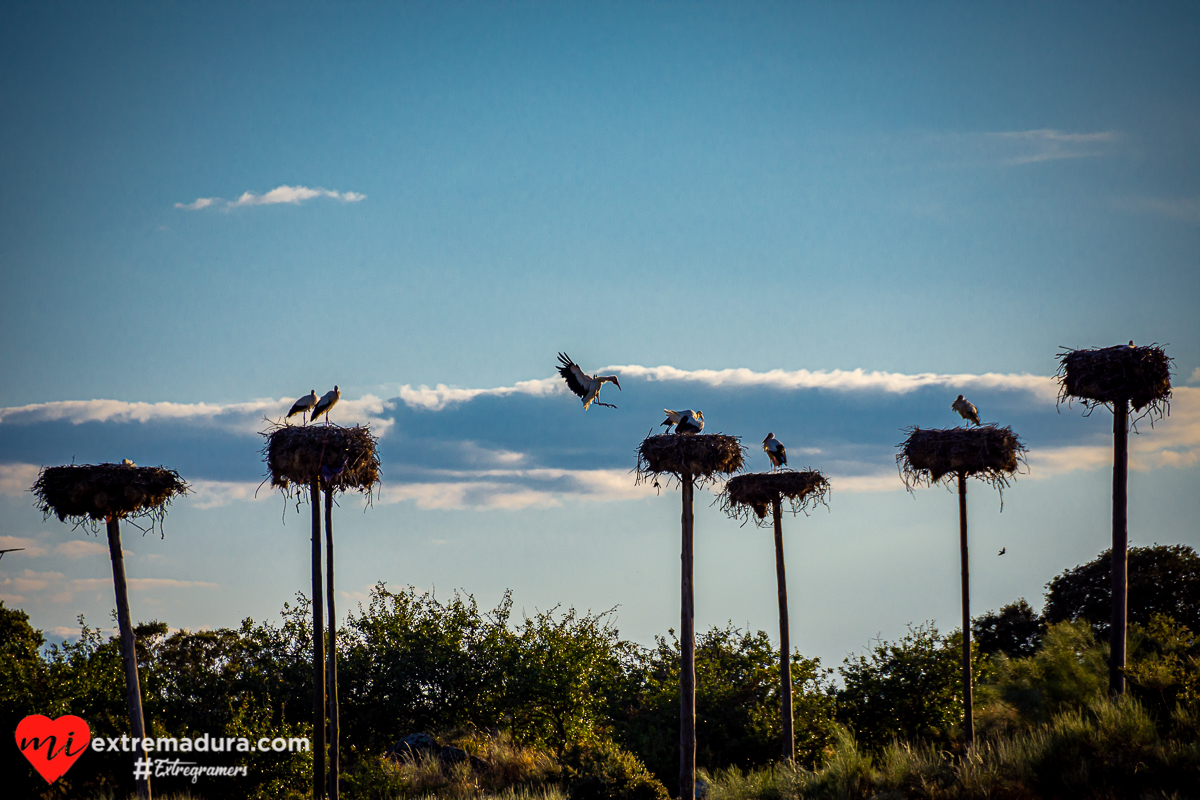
(785, 647)
(331, 668)
(687, 641)
(1120, 548)
(968, 700)
(318, 634)
(133, 688)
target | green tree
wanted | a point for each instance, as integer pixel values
(1163, 579)
(910, 689)
(1015, 631)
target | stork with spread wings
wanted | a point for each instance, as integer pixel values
(586, 387)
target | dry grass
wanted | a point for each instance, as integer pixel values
(342, 458)
(989, 452)
(757, 492)
(704, 456)
(95, 492)
(1107, 375)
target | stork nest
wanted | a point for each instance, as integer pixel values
(757, 492)
(1108, 375)
(341, 458)
(94, 492)
(989, 452)
(704, 456)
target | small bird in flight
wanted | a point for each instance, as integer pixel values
(327, 401)
(303, 405)
(686, 421)
(1003, 550)
(586, 387)
(775, 451)
(966, 409)
(9, 550)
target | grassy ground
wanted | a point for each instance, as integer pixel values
(1112, 749)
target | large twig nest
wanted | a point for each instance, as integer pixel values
(95, 492)
(342, 458)
(704, 456)
(757, 491)
(989, 452)
(1141, 375)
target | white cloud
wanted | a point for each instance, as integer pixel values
(1042, 386)
(244, 417)
(214, 494)
(293, 195)
(1195, 377)
(1047, 144)
(512, 490)
(82, 548)
(140, 584)
(15, 479)
(441, 396)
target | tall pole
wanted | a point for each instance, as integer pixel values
(968, 700)
(331, 668)
(318, 633)
(133, 688)
(785, 647)
(1120, 548)
(687, 669)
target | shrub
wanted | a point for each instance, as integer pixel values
(605, 771)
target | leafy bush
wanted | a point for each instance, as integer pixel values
(602, 770)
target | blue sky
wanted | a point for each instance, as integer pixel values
(823, 220)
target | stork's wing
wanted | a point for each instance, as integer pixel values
(577, 380)
(782, 455)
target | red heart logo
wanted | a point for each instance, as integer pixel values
(50, 744)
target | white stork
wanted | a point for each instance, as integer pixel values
(326, 402)
(775, 451)
(586, 387)
(303, 404)
(125, 462)
(965, 409)
(686, 421)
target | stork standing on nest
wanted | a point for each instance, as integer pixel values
(327, 401)
(966, 409)
(303, 405)
(586, 387)
(686, 421)
(775, 451)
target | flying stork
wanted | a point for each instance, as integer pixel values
(586, 387)
(965, 409)
(775, 451)
(9, 550)
(686, 421)
(303, 405)
(326, 402)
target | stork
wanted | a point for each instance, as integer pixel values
(125, 462)
(327, 401)
(686, 421)
(586, 387)
(9, 550)
(965, 409)
(775, 451)
(303, 404)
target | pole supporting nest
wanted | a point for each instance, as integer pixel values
(690, 460)
(989, 453)
(1122, 378)
(89, 493)
(748, 497)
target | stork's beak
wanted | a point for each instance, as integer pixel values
(617, 383)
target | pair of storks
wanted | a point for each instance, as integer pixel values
(318, 407)
(587, 388)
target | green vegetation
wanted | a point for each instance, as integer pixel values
(556, 706)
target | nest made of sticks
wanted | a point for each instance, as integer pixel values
(988, 452)
(1141, 375)
(95, 492)
(704, 456)
(342, 458)
(757, 491)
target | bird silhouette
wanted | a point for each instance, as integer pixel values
(9, 550)
(1003, 550)
(966, 409)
